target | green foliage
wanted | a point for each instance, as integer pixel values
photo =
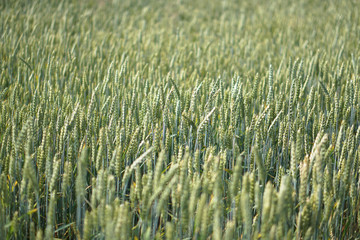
(179, 119)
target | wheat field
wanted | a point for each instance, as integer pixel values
(185, 119)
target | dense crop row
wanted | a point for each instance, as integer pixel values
(179, 119)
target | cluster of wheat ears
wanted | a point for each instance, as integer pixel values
(181, 119)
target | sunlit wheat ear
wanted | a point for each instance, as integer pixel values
(49, 232)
